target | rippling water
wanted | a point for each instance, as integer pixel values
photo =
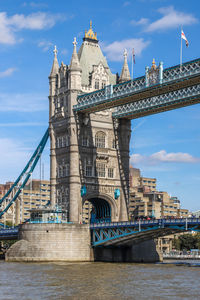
(98, 281)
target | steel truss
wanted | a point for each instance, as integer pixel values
(9, 234)
(179, 98)
(21, 181)
(108, 234)
(110, 95)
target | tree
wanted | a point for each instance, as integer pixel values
(187, 242)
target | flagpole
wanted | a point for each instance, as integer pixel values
(132, 67)
(181, 52)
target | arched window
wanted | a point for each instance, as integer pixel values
(100, 139)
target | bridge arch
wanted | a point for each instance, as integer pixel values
(103, 207)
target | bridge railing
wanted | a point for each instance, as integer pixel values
(116, 91)
(9, 232)
(147, 222)
(165, 100)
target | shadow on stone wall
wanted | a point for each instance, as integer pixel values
(144, 252)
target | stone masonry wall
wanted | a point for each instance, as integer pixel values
(52, 242)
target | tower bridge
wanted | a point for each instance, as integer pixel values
(90, 112)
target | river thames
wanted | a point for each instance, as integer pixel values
(26, 281)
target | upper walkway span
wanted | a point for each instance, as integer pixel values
(176, 87)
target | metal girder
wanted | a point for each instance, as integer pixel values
(124, 233)
(21, 181)
(9, 234)
(135, 90)
(179, 98)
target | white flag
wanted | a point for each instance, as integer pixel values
(184, 38)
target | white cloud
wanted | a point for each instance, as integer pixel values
(23, 102)
(45, 45)
(115, 50)
(35, 21)
(171, 19)
(142, 21)
(164, 157)
(7, 72)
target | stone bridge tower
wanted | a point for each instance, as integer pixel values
(89, 153)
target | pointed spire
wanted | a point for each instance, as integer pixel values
(75, 65)
(125, 74)
(55, 66)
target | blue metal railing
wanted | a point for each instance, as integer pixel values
(146, 222)
(175, 73)
(113, 232)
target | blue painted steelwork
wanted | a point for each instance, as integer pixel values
(114, 232)
(172, 74)
(7, 234)
(189, 95)
(4, 225)
(83, 190)
(25, 174)
(117, 193)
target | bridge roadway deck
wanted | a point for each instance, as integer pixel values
(9, 233)
(127, 233)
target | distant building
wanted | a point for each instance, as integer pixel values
(35, 194)
(146, 201)
(196, 214)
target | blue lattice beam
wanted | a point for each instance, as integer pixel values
(125, 233)
(176, 99)
(172, 79)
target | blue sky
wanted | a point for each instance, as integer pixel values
(165, 146)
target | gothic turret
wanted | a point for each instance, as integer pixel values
(75, 64)
(74, 71)
(125, 74)
(55, 66)
(53, 83)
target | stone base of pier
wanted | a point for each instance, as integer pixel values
(52, 242)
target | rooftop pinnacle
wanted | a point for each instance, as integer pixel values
(55, 66)
(125, 74)
(75, 65)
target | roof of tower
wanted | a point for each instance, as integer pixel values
(125, 74)
(55, 66)
(90, 55)
(90, 34)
